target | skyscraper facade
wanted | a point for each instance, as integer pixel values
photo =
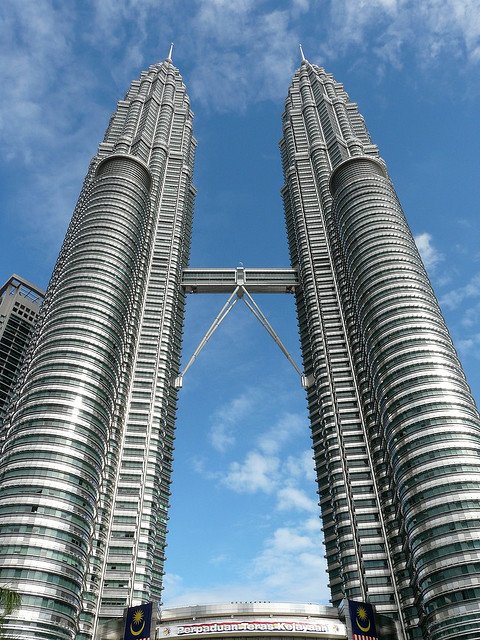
(395, 430)
(85, 468)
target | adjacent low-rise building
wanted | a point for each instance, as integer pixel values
(252, 621)
(243, 620)
(20, 303)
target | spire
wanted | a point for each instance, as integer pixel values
(169, 57)
(302, 54)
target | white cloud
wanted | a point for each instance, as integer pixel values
(112, 18)
(245, 50)
(286, 428)
(351, 18)
(471, 317)
(50, 121)
(429, 254)
(257, 473)
(301, 467)
(35, 50)
(202, 467)
(288, 540)
(458, 21)
(292, 564)
(469, 346)
(172, 583)
(248, 50)
(313, 525)
(289, 498)
(220, 558)
(290, 567)
(452, 299)
(261, 469)
(301, 5)
(227, 418)
(51, 110)
(387, 27)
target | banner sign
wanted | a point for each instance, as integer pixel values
(138, 622)
(362, 618)
(270, 626)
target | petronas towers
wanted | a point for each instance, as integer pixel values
(88, 439)
(85, 470)
(395, 429)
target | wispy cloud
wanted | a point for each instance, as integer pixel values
(452, 299)
(292, 564)
(227, 419)
(261, 469)
(256, 473)
(52, 109)
(249, 49)
(287, 427)
(471, 317)
(292, 498)
(387, 27)
(289, 567)
(469, 346)
(464, 306)
(430, 255)
(178, 593)
(246, 49)
(301, 467)
(46, 115)
(41, 88)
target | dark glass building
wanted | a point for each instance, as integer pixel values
(20, 302)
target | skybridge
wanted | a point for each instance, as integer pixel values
(240, 283)
(226, 280)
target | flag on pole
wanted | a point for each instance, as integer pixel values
(138, 622)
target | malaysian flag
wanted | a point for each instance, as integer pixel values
(362, 618)
(138, 622)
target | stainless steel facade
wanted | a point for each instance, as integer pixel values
(396, 434)
(85, 469)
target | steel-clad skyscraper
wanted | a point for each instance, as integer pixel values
(396, 434)
(86, 467)
(85, 470)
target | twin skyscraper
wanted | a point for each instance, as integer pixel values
(87, 442)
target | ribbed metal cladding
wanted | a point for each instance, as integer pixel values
(52, 463)
(425, 409)
(398, 476)
(321, 129)
(86, 468)
(154, 122)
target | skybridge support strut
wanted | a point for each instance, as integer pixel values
(224, 311)
(240, 293)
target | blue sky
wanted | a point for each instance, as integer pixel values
(244, 522)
